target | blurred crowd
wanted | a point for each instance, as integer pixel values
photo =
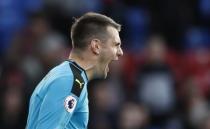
(161, 82)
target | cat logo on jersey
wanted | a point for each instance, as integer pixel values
(70, 103)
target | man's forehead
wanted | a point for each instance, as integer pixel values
(114, 33)
(113, 30)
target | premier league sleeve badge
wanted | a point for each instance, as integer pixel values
(70, 103)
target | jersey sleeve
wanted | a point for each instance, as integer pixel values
(58, 104)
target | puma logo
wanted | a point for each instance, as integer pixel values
(80, 84)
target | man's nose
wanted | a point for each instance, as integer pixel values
(119, 52)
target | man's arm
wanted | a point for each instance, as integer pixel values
(58, 104)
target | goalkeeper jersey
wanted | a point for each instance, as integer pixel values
(60, 100)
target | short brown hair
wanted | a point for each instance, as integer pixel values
(91, 25)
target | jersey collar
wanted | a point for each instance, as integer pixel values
(79, 67)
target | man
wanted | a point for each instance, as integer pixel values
(60, 99)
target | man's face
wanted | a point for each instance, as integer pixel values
(110, 51)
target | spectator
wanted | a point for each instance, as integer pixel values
(156, 83)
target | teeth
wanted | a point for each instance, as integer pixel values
(107, 68)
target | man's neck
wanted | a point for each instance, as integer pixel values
(85, 61)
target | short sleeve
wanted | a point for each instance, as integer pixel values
(58, 104)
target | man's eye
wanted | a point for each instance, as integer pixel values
(118, 44)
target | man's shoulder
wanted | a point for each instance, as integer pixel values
(61, 72)
(68, 75)
(62, 68)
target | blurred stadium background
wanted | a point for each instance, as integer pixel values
(161, 82)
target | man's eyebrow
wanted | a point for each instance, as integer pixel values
(117, 43)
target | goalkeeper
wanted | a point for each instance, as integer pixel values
(60, 100)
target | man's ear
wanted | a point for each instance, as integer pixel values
(95, 46)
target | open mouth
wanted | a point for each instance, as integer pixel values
(107, 68)
(108, 65)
